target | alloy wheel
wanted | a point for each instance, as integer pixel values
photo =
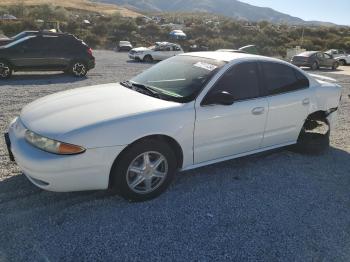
(147, 172)
(79, 69)
(4, 70)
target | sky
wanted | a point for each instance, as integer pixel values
(335, 11)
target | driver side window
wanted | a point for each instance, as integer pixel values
(241, 81)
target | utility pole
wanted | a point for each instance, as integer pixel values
(302, 37)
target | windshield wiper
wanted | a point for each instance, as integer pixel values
(135, 86)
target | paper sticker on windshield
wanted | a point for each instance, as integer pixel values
(205, 66)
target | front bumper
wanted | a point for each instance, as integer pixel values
(134, 57)
(87, 171)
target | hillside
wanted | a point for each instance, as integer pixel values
(230, 8)
(83, 5)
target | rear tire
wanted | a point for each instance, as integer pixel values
(78, 69)
(335, 66)
(137, 177)
(342, 62)
(314, 66)
(5, 70)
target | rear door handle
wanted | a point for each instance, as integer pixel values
(258, 110)
(306, 101)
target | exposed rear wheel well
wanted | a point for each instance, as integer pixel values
(315, 120)
(7, 61)
(314, 135)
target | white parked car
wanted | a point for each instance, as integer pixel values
(188, 111)
(343, 60)
(124, 46)
(336, 53)
(340, 55)
(160, 51)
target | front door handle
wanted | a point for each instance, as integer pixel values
(306, 101)
(258, 110)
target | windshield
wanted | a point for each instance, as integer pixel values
(180, 77)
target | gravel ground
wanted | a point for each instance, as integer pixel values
(277, 206)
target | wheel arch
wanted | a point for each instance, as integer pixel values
(7, 61)
(160, 137)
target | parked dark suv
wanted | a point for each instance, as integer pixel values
(46, 52)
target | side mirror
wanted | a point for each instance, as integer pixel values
(219, 98)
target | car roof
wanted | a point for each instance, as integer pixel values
(308, 53)
(230, 56)
(165, 44)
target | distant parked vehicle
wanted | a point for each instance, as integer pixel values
(124, 46)
(343, 60)
(46, 52)
(250, 49)
(336, 53)
(198, 48)
(160, 51)
(315, 60)
(178, 35)
(231, 51)
(340, 55)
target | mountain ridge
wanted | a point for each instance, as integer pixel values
(230, 8)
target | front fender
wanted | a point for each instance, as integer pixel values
(177, 123)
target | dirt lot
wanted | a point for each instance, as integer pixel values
(278, 206)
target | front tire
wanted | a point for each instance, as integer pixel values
(335, 66)
(342, 62)
(148, 59)
(144, 170)
(78, 69)
(5, 70)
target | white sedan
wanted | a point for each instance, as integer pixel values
(186, 112)
(160, 51)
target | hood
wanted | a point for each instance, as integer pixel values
(55, 115)
(141, 49)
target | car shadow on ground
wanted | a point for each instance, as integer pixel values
(275, 197)
(40, 79)
(141, 62)
(18, 187)
(324, 70)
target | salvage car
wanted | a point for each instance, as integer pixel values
(186, 112)
(315, 60)
(158, 52)
(46, 52)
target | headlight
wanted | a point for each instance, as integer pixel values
(52, 146)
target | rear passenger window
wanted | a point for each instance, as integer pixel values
(282, 78)
(242, 81)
